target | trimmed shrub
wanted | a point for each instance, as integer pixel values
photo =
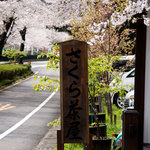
(10, 71)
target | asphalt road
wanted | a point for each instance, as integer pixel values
(25, 113)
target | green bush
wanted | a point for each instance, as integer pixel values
(13, 54)
(11, 71)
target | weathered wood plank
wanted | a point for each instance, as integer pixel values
(74, 91)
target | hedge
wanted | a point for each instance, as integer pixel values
(11, 71)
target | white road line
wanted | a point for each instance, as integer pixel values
(4, 134)
(36, 72)
(39, 66)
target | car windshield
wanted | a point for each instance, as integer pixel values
(132, 74)
(123, 65)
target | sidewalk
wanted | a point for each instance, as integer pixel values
(49, 141)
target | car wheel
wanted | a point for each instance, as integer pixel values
(118, 101)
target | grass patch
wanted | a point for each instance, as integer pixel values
(67, 146)
(114, 128)
(11, 73)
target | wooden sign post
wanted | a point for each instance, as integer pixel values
(133, 120)
(74, 92)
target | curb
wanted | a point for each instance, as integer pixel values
(49, 141)
(14, 82)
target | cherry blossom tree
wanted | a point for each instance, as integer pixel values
(64, 11)
(130, 12)
(37, 14)
(7, 22)
(100, 25)
(33, 15)
(31, 19)
(5, 32)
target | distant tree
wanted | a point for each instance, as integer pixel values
(33, 15)
(23, 36)
(98, 27)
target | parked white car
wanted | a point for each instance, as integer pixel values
(127, 79)
(129, 100)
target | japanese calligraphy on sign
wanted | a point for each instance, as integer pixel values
(74, 91)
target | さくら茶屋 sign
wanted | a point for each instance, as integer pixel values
(74, 91)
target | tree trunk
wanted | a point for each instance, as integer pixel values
(5, 34)
(23, 37)
(101, 105)
(109, 106)
(2, 41)
(108, 100)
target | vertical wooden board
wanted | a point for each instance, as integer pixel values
(60, 145)
(74, 91)
(140, 77)
(130, 130)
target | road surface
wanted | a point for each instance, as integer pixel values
(24, 113)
